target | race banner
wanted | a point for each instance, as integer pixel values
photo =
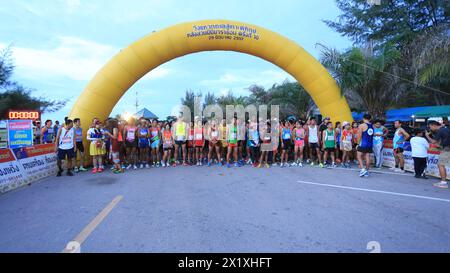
(23, 166)
(11, 172)
(20, 133)
(37, 161)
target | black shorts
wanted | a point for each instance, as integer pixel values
(329, 149)
(167, 149)
(80, 147)
(287, 144)
(62, 154)
(180, 143)
(365, 150)
(399, 151)
(313, 145)
(132, 144)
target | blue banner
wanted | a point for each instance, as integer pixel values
(20, 133)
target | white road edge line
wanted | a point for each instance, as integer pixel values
(375, 191)
(84, 234)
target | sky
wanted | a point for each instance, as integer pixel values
(59, 45)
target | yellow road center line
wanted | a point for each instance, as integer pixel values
(84, 234)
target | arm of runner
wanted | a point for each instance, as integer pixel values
(58, 135)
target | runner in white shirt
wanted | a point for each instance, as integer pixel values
(65, 147)
(419, 151)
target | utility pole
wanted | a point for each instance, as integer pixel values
(137, 102)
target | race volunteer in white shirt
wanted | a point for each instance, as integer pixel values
(419, 147)
(66, 147)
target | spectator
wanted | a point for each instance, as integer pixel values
(56, 127)
(37, 132)
(441, 137)
(419, 147)
(379, 135)
(47, 133)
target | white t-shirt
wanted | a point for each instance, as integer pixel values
(419, 147)
(66, 139)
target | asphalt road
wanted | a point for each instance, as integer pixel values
(201, 209)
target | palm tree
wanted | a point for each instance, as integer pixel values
(368, 75)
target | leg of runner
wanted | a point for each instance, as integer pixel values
(183, 150)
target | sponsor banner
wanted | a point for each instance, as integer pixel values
(22, 166)
(20, 133)
(11, 171)
(3, 134)
(433, 158)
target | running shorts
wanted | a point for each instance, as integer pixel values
(299, 143)
(314, 145)
(365, 150)
(155, 144)
(143, 143)
(80, 147)
(132, 144)
(62, 154)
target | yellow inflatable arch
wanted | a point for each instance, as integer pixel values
(130, 64)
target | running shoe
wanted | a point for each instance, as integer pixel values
(82, 169)
(321, 165)
(135, 167)
(333, 165)
(259, 166)
(220, 164)
(294, 164)
(312, 163)
(228, 165)
(363, 172)
(76, 170)
(129, 167)
(237, 165)
(209, 164)
(69, 173)
(142, 166)
(123, 167)
(275, 164)
(185, 164)
(147, 166)
(59, 174)
(442, 185)
(94, 170)
(308, 161)
(267, 166)
(300, 164)
(100, 170)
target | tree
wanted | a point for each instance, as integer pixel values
(395, 21)
(418, 29)
(15, 96)
(369, 74)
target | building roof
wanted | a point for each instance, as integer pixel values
(434, 111)
(145, 113)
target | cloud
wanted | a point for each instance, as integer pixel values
(73, 58)
(73, 5)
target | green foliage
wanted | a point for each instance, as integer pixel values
(15, 96)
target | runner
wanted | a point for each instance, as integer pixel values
(214, 144)
(365, 140)
(80, 146)
(253, 143)
(379, 134)
(338, 130)
(313, 139)
(143, 143)
(181, 131)
(400, 137)
(232, 132)
(299, 141)
(346, 144)
(441, 137)
(131, 143)
(199, 142)
(47, 133)
(329, 144)
(97, 147)
(167, 139)
(155, 133)
(190, 144)
(266, 140)
(65, 147)
(115, 146)
(355, 129)
(223, 137)
(286, 143)
(121, 143)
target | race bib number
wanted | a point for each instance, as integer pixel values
(215, 134)
(130, 135)
(198, 136)
(233, 136)
(370, 132)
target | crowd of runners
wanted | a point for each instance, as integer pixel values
(141, 144)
